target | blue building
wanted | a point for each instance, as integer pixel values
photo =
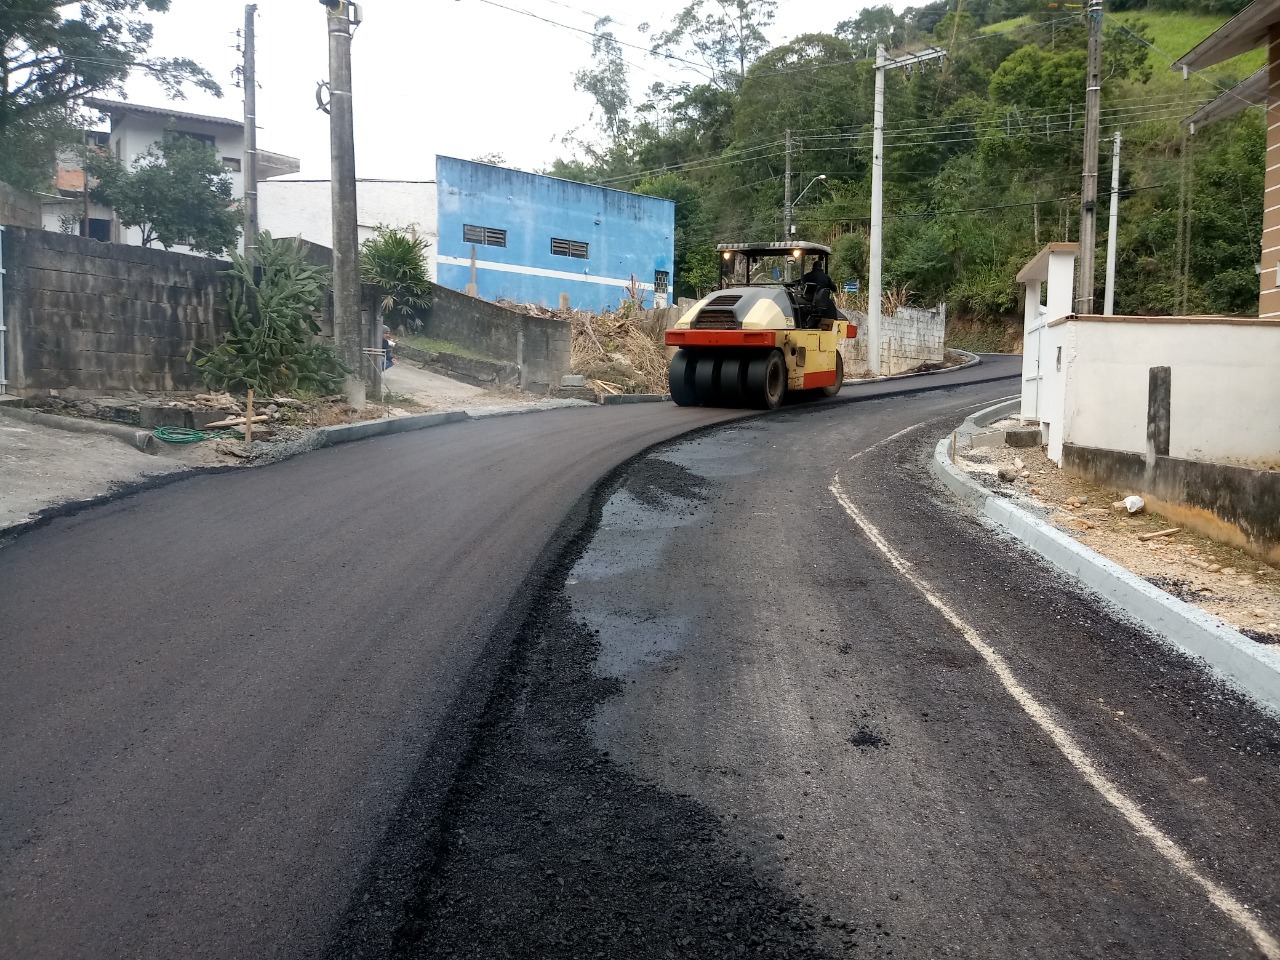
(536, 237)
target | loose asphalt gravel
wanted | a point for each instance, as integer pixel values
(440, 694)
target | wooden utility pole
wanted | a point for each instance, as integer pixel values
(346, 253)
(1089, 186)
(249, 171)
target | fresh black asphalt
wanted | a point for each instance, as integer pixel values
(234, 712)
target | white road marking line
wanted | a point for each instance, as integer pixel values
(1236, 911)
(915, 426)
(892, 436)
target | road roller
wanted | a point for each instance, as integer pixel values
(762, 334)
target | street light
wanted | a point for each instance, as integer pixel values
(791, 227)
(821, 176)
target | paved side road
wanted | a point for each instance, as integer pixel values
(787, 702)
(217, 696)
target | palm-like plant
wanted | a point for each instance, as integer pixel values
(395, 263)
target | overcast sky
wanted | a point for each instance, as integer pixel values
(455, 77)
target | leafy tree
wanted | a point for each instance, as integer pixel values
(871, 26)
(29, 147)
(49, 61)
(607, 82)
(271, 345)
(177, 192)
(395, 263)
(726, 35)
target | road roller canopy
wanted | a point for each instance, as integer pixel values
(768, 264)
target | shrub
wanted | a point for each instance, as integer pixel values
(271, 347)
(395, 262)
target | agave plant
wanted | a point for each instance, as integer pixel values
(395, 263)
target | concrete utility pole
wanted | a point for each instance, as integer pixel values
(786, 206)
(874, 294)
(249, 173)
(1109, 298)
(346, 253)
(877, 219)
(1089, 188)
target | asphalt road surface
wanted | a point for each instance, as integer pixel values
(231, 708)
(783, 700)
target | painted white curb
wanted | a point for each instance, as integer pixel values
(1252, 668)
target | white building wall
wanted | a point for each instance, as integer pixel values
(303, 208)
(137, 133)
(1225, 388)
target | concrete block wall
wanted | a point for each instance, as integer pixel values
(909, 339)
(106, 317)
(539, 345)
(19, 208)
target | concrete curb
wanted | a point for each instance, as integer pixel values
(612, 399)
(135, 437)
(347, 432)
(1252, 668)
(973, 361)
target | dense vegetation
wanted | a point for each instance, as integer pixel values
(983, 150)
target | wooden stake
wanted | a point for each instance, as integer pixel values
(1163, 533)
(248, 416)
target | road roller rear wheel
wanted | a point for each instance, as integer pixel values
(733, 381)
(704, 381)
(680, 379)
(767, 380)
(832, 390)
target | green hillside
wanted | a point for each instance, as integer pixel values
(983, 150)
(1173, 34)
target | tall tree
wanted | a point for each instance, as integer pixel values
(726, 35)
(177, 192)
(48, 60)
(607, 81)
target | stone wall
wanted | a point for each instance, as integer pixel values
(538, 345)
(909, 339)
(106, 317)
(19, 208)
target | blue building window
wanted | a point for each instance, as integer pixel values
(489, 236)
(569, 248)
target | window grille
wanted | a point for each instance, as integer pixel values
(569, 248)
(488, 236)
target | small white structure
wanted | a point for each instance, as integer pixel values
(1048, 279)
(304, 208)
(134, 130)
(1089, 381)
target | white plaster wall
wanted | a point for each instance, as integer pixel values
(1057, 351)
(1225, 390)
(303, 208)
(136, 133)
(52, 212)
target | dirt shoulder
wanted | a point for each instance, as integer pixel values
(1219, 579)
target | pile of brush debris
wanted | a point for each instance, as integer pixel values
(621, 351)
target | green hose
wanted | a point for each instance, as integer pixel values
(187, 435)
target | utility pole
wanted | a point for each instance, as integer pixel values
(346, 260)
(1089, 187)
(1109, 298)
(883, 63)
(249, 173)
(786, 205)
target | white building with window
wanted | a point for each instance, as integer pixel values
(134, 129)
